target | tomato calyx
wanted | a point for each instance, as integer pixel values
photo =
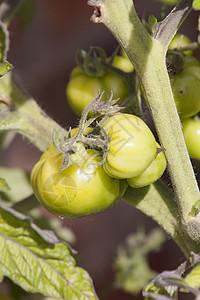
(74, 147)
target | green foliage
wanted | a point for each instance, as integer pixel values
(37, 261)
(167, 284)
(3, 185)
(131, 266)
(152, 23)
(5, 66)
(19, 183)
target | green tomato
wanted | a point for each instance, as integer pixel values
(82, 89)
(192, 65)
(180, 40)
(132, 146)
(186, 90)
(123, 64)
(115, 83)
(191, 132)
(191, 61)
(78, 190)
(152, 173)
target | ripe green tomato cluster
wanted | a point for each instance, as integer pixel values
(82, 89)
(191, 132)
(86, 186)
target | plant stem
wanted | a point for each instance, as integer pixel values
(25, 116)
(148, 56)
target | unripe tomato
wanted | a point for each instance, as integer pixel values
(153, 172)
(191, 132)
(186, 90)
(132, 146)
(192, 65)
(123, 64)
(82, 89)
(76, 191)
(191, 61)
(180, 40)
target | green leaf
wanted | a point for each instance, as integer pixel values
(5, 67)
(19, 183)
(4, 42)
(3, 185)
(168, 283)
(196, 4)
(131, 267)
(37, 261)
(152, 23)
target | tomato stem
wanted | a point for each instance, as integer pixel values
(25, 116)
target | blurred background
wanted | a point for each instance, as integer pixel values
(42, 54)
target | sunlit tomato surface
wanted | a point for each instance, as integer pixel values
(180, 40)
(78, 190)
(191, 132)
(82, 89)
(132, 146)
(152, 173)
(186, 90)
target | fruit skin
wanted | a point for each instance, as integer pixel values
(191, 132)
(78, 190)
(82, 89)
(132, 146)
(123, 64)
(186, 90)
(152, 173)
(180, 40)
